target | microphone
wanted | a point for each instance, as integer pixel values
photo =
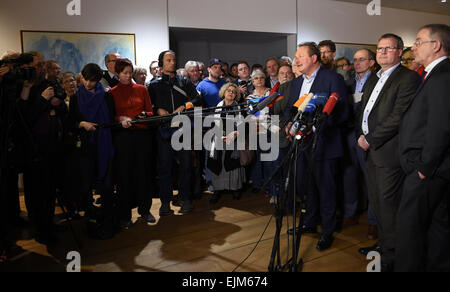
(264, 103)
(328, 109)
(308, 108)
(332, 101)
(300, 104)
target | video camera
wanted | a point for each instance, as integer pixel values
(17, 72)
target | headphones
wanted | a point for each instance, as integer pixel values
(161, 57)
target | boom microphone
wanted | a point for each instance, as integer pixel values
(263, 104)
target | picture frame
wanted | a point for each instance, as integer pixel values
(73, 50)
(348, 50)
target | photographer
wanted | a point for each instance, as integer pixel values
(44, 112)
(244, 82)
(14, 70)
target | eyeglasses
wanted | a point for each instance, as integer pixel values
(325, 52)
(389, 49)
(231, 91)
(420, 42)
(360, 60)
(408, 60)
(343, 65)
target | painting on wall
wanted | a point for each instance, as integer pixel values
(73, 50)
(348, 50)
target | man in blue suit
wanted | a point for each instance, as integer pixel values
(319, 186)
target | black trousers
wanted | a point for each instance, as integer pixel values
(132, 167)
(41, 192)
(89, 179)
(166, 156)
(423, 226)
(385, 191)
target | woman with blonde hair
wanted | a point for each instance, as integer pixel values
(227, 174)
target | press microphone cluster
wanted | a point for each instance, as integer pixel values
(312, 112)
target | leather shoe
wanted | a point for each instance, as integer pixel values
(214, 198)
(372, 233)
(186, 207)
(325, 242)
(149, 218)
(303, 230)
(165, 210)
(365, 250)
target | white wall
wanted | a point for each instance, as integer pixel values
(247, 15)
(350, 23)
(146, 18)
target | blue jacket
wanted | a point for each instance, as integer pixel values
(210, 91)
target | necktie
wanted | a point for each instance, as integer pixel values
(424, 76)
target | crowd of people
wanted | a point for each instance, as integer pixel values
(384, 148)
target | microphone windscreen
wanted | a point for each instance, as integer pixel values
(299, 101)
(307, 100)
(332, 101)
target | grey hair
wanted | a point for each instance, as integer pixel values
(286, 58)
(257, 72)
(190, 64)
(138, 70)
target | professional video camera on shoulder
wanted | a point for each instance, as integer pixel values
(20, 70)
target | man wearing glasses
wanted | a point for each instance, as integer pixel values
(110, 78)
(423, 231)
(383, 105)
(409, 62)
(364, 60)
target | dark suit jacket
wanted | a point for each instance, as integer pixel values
(355, 108)
(329, 141)
(279, 109)
(425, 130)
(386, 115)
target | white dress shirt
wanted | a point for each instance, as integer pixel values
(433, 64)
(384, 76)
(307, 83)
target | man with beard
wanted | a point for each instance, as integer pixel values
(172, 94)
(209, 88)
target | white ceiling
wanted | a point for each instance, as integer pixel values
(431, 6)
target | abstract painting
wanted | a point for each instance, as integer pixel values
(349, 50)
(73, 50)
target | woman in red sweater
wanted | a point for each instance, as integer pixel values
(132, 145)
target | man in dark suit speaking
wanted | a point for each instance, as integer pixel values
(383, 104)
(423, 231)
(321, 185)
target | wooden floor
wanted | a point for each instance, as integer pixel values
(212, 239)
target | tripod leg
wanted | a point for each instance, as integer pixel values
(276, 244)
(69, 220)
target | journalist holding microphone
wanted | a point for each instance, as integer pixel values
(132, 145)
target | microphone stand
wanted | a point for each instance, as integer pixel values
(292, 264)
